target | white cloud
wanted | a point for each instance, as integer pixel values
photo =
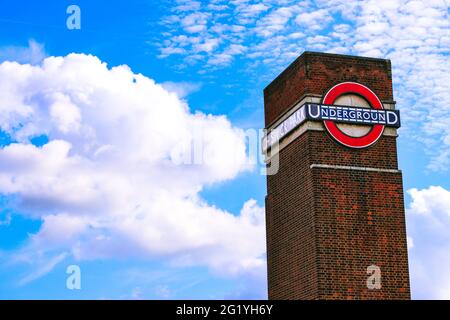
(274, 22)
(207, 46)
(428, 222)
(182, 89)
(65, 114)
(430, 201)
(252, 10)
(34, 53)
(113, 181)
(315, 20)
(195, 22)
(220, 59)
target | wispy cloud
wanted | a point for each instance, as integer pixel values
(414, 34)
(43, 269)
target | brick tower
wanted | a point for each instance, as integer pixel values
(334, 212)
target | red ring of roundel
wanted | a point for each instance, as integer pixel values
(353, 142)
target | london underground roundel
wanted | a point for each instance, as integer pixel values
(353, 126)
(353, 88)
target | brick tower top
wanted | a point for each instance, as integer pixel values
(313, 73)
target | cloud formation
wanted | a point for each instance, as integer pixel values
(34, 53)
(415, 34)
(113, 178)
(428, 222)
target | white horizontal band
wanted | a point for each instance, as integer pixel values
(327, 166)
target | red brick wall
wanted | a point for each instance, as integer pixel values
(359, 220)
(291, 235)
(325, 226)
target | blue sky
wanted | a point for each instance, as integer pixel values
(66, 198)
